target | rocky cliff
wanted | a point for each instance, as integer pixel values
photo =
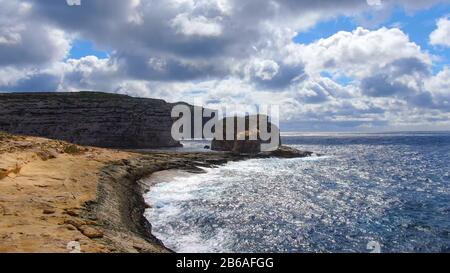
(89, 118)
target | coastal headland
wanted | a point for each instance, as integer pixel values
(54, 194)
(89, 118)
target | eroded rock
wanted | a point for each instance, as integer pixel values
(91, 232)
(48, 211)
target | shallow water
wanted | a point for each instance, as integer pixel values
(389, 188)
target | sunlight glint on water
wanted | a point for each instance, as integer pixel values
(393, 189)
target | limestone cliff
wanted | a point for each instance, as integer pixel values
(89, 118)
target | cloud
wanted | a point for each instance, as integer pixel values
(186, 34)
(197, 26)
(382, 63)
(43, 82)
(440, 84)
(264, 70)
(402, 77)
(24, 41)
(441, 36)
(439, 87)
(360, 53)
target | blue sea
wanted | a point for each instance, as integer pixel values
(391, 190)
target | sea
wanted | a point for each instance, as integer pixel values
(386, 192)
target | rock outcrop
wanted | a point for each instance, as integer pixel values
(289, 152)
(89, 118)
(246, 141)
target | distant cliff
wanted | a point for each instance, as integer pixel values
(89, 118)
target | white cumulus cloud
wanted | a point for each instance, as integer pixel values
(441, 36)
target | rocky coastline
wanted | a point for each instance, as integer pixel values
(120, 204)
(54, 192)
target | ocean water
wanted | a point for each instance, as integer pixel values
(389, 189)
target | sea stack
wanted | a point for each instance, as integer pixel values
(248, 140)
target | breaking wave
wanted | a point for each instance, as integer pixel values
(391, 189)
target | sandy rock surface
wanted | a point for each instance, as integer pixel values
(43, 187)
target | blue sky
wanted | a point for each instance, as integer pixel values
(417, 24)
(82, 48)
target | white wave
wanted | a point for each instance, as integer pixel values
(171, 218)
(315, 157)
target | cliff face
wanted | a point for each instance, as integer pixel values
(89, 118)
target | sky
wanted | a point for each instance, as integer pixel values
(349, 65)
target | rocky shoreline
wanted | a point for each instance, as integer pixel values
(120, 204)
(53, 193)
